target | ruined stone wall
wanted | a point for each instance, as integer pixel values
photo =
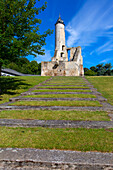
(69, 68)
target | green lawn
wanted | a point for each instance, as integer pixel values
(78, 139)
(104, 84)
(62, 96)
(55, 115)
(66, 84)
(13, 86)
(64, 87)
(57, 103)
(59, 90)
(66, 80)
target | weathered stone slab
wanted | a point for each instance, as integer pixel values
(64, 88)
(56, 123)
(100, 98)
(74, 85)
(111, 116)
(15, 158)
(52, 99)
(88, 108)
(36, 93)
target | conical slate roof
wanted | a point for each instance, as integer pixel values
(60, 21)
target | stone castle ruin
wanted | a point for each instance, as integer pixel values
(61, 64)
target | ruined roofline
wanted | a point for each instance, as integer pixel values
(68, 48)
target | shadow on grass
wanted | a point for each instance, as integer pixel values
(8, 85)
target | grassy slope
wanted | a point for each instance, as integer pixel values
(46, 138)
(13, 86)
(104, 84)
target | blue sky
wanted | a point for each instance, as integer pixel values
(88, 23)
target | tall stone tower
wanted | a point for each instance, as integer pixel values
(60, 48)
(60, 65)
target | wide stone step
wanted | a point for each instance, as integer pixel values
(64, 88)
(87, 108)
(64, 85)
(56, 123)
(25, 158)
(36, 93)
(51, 99)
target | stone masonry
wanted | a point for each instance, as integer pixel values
(61, 64)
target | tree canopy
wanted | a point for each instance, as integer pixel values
(19, 29)
(99, 70)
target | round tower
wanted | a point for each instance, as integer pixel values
(60, 47)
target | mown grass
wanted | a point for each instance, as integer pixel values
(13, 86)
(63, 87)
(66, 80)
(78, 139)
(62, 96)
(55, 115)
(56, 103)
(62, 84)
(59, 90)
(104, 84)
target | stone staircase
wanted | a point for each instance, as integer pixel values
(15, 158)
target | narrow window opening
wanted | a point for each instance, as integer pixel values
(63, 47)
(68, 52)
(62, 54)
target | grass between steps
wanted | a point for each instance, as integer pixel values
(66, 84)
(78, 139)
(59, 90)
(63, 87)
(62, 96)
(57, 103)
(104, 84)
(55, 115)
(14, 86)
(66, 79)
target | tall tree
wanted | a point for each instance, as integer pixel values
(19, 29)
(108, 68)
(100, 69)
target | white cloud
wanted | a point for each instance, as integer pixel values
(46, 57)
(108, 46)
(106, 60)
(94, 20)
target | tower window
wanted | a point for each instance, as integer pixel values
(62, 54)
(63, 47)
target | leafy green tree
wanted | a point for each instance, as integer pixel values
(90, 73)
(85, 69)
(34, 67)
(100, 69)
(13, 66)
(22, 61)
(39, 68)
(19, 29)
(26, 69)
(108, 68)
(93, 68)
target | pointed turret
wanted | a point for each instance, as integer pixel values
(60, 20)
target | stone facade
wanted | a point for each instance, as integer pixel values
(61, 64)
